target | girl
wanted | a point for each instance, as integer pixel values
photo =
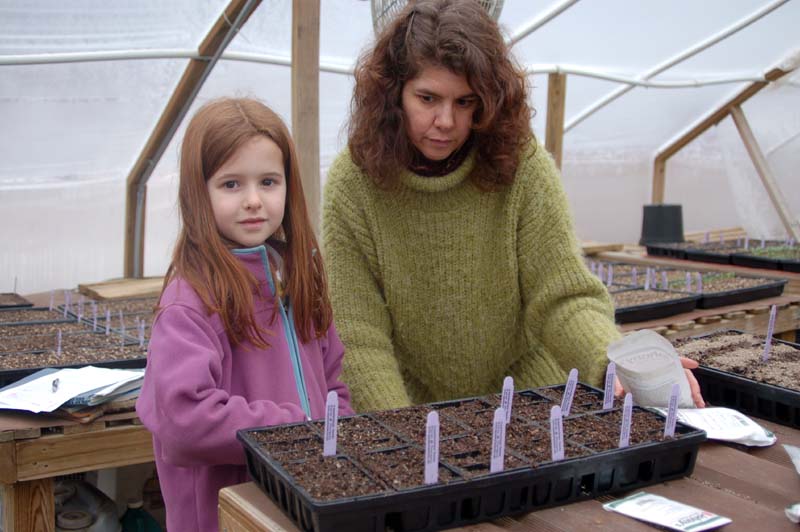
(244, 335)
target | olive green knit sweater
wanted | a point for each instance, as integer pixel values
(440, 290)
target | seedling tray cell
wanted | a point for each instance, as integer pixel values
(774, 403)
(657, 310)
(377, 489)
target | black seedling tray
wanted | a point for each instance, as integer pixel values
(18, 301)
(461, 501)
(742, 295)
(3, 322)
(788, 265)
(717, 257)
(766, 401)
(754, 261)
(675, 250)
(657, 310)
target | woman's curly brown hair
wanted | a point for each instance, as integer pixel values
(460, 36)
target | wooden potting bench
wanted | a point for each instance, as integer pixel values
(36, 448)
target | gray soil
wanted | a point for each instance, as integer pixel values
(741, 354)
(635, 298)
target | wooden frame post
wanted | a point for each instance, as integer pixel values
(556, 98)
(305, 100)
(764, 172)
(714, 118)
(221, 33)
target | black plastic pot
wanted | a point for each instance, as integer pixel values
(661, 223)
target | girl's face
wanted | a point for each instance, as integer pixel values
(438, 106)
(248, 193)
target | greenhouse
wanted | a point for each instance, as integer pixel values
(616, 179)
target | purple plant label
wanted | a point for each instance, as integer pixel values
(635, 276)
(569, 391)
(81, 301)
(747, 242)
(738, 241)
(688, 281)
(664, 281)
(699, 282)
(773, 313)
(600, 270)
(432, 448)
(610, 275)
(498, 441)
(625, 428)
(672, 412)
(706, 236)
(556, 434)
(592, 266)
(608, 392)
(507, 397)
(108, 321)
(721, 240)
(647, 279)
(121, 323)
(52, 298)
(94, 317)
(141, 334)
(331, 421)
(763, 243)
(58, 344)
(67, 302)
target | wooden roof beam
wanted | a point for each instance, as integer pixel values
(712, 119)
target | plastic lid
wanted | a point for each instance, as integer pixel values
(135, 503)
(73, 519)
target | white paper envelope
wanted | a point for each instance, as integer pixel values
(648, 366)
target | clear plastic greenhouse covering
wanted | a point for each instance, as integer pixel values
(72, 130)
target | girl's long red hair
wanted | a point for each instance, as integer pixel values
(203, 257)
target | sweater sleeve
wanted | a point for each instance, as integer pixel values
(370, 368)
(567, 311)
(183, 402)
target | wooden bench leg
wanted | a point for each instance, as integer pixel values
(29, 506)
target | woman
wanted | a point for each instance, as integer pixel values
(450, 248)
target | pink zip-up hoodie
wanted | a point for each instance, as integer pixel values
(198, 391)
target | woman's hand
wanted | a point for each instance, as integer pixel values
(688, 365)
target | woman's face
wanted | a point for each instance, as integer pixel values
(438, 105)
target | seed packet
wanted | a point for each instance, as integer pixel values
(666, 513)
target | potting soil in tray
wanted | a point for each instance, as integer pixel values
(733, 374)
(32, 316)
(15, 366)
(729, 288)
(44, 342)
(376, 481)
(13, 300)
(642, 305)
(66, 327)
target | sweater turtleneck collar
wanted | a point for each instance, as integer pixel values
(440, 183)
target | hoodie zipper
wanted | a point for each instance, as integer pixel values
(289, 330)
